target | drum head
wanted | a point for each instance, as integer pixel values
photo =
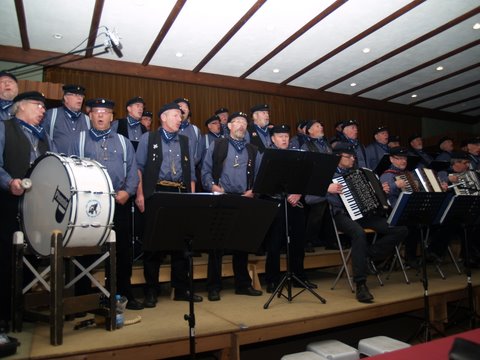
(46, 206)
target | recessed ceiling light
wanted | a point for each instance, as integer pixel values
(353, 84)
(276, 70)
(414, 95)
(476, 26)
(439, 68)
(366, 50)
(57, 36)
(179, 54)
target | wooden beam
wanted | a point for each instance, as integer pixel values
(8, 53)
(22, 24)
(97, 14)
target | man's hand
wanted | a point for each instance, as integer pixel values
(16, 187)
(122, 197)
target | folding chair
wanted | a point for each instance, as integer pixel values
(346, 258)
(397, 257)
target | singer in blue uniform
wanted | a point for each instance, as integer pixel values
(117, 154)
(8, 91)
(64, 124)
(22, 141)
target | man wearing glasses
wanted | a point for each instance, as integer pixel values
(22, 140)
(362, 252)
(230, 166)
(64, 124)
(8, 91)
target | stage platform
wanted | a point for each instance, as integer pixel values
(225, 326)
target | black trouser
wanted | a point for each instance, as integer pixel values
(122, 227)
(384, 246)
(276, 239)
(240, 270)
(8, 225)
(152, 259)
(318, 222)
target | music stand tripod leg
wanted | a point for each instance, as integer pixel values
(426, 325)
(190, 317)
(289, 276)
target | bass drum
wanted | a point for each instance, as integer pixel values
(72, 195)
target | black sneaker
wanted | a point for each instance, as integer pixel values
(213, 295)
(133, 304)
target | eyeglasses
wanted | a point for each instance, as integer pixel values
(40, 105)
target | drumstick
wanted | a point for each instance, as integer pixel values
(26, 183)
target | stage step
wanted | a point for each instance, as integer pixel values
(379, 345)
(333, 350)
(321, 258)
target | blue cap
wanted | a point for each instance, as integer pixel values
(30, 95)
(73, 89)
(169, 106)
(237, 114)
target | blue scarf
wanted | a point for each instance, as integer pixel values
(184, 124)
(263, 131)
(354, 142)
(219, 135)
(99, 134)
(5, 104)
(239, 145)
(167, 135)
(132, 122)
(384, 147)
(74, 115)
(38, 131)
(342, 171)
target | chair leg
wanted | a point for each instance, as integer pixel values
(454, 261)
(343, 269)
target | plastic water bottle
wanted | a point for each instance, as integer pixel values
(120, 304)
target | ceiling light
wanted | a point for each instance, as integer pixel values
(439, 68)
(179, 54)
(366, 50)
(476, 26)
(276, 71)
(57, 36)
(353, 84)
(414, 95)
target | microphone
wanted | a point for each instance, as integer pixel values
(114, 42)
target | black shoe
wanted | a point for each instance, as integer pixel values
(250, 291)
(363, 295)
(185, 296)
(213, 295)
(271, 287)
(309, 248)
(133, 304)
(309, 284)
(150, 299)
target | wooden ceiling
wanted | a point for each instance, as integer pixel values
(418, 57)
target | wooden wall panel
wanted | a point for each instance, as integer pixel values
(205, 100)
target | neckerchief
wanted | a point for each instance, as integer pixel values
(342, 171)
(5, 104)
(38, 131)
(383, 146)
(219, 135)
(354, 142)
(99, 134)
(394, 170)
(263, 131)
(132, 122)
(74, 115)
(239, 145)
(184, 124)
(167, 135)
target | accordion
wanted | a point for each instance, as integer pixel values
(422, 179)
(362, 193)
(468, 183)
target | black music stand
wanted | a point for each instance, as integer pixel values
(421, 209)
(293, 172)
(464, 210)
(212, 222)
